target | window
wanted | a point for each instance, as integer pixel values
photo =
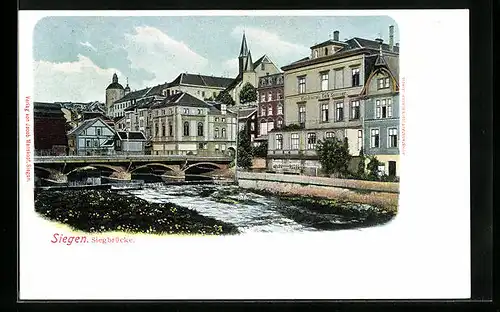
(223, 147)
(163, 130)
(279, 123)
(269, 96)
(141, 123)
(96, 143)
(384, 83)
(329, 135)
(156, 131)
(383, 108)
(263, 97)
(223, 132)
(324, 81)
(326, 51)
(279, 141)
(263, 110)
(295, 141)
(311, 140)
(186, 111)
(324, 112)
(223, 119)
(279, 95)
(339, 111)
(216, 133)
(203, 93)
(170, 130)
(280, 109)
(216, 147)
(355, 110)
(355, 77)
(270, 125)
(186, 128)
(200, 129)
(252, 126)
(302, 114)
(216, 119)
(200, 145)
(360, 139)
(262, 66)
(200, 111)
(393, 137)
(170, 111)
(302, 84)
(98, 131)
(263, 127)
(375, 139)
(270, 110)
(315, 53)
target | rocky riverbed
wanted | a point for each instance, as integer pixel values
(107, 210)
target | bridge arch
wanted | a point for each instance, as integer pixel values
(114, 168)
(217, 166)
(172, 168)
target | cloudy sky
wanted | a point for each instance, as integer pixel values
(75, 57)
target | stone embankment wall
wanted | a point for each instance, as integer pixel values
(382, 194)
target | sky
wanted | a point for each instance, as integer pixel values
(76, 57)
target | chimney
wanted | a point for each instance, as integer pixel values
(391, 37)
(336, 35)
(379, 40)
(397, 44)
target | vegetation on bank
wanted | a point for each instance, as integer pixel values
(105, 210)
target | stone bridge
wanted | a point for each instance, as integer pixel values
(121, 167)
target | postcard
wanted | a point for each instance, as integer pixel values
(241, 155)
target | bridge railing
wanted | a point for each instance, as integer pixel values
(110, 158)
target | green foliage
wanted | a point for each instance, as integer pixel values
(244, 156)
(225, 98)
(361, 164)
(373, 168)
(260, 150)
(248, 93)
(334, 156)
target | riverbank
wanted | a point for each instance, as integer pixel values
(97, 211)
(383, 195)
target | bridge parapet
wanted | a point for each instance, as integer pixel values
(128, 158)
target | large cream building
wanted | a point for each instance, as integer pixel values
(323, 99)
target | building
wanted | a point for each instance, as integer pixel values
(130, 143)
(49, 129)
(271, 105)
(131, 98)
(91, 137)
(114, 92)
(182, 124)
(323, 98)
(382, 115)
(247, 116)
(249, 71)
(200, 86)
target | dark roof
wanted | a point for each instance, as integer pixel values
(352, 47)
(116, 119)
(114, 85)
(109, 142)
(43, 109)
(257, 62)
(130, 135)
(149, 91)
(201, 80)
(328, 42)
(243, 113)
(180, 99)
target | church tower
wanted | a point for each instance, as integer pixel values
(114, 92)
(245, 57)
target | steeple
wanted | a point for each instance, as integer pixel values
(244, 47)
(115, 78)
(245, 58)
(127, 88)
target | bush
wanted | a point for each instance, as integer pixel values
(334, 156)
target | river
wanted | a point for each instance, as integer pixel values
(249, 211)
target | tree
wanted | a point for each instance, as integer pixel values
(248, 93)
(244, 155)
(334, 155)
(260, 150)
(373, 168)
(361, 164)
(225, 98)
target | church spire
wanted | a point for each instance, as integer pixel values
(244, 47)
(115, 78)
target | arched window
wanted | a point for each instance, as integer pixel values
(216, 132)
(263, 127)
(326, 51)
(186, 128)
(279, 123)
(223, 132)
(270, 124)
(200, 129)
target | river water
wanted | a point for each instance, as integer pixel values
(249, 211)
